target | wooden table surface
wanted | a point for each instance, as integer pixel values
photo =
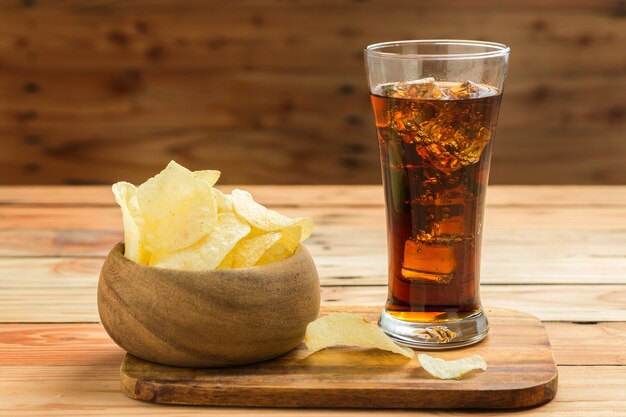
(556, 252)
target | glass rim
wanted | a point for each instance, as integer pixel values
(498, 49)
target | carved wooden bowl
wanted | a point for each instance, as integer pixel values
(208, 318)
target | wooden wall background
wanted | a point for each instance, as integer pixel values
(274, 91)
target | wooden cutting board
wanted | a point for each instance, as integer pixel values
(521, 373)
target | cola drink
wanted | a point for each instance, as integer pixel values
(435, 141)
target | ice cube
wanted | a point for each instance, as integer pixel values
(466, 89)
(469, 89)
(428, 262)
(423, 89)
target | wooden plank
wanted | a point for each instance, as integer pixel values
(57, 195)
(270, 34)
(73, 133)
(72, 298)
(598, 344)
(496, 218)
(292, 102)
(337, 196)
(305, 154)
(548, 302)
(65, 344)
(59, 218)
(57, 344)
(509, 256)
(554, 156)
(285, 155)
(61, 391)
(550, 195)
(55, 242)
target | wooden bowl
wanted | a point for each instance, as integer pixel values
(208, 318)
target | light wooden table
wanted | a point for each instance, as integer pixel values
(556, 252)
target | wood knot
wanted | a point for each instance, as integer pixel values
(354, 120)
(31, 140)
(31, 87)
(287, 106)
(620, 9)
(539, 25)
(345, 89)
(349, 32)
(31, 167)
(617, 114)
(118, 38)
(540, 94)
(27, 115)
(257, 21)
(584, 40)
(155, 53)
(141, 26)
(350, 162)
(22, 42)
(355, 148)
(128, 82)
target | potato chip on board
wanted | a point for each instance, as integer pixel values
(210, 251)
(263, 218)
(451, 369)
(346, 329)
(125, 196)
(178, 209)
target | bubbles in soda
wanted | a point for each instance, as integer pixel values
(435, 143)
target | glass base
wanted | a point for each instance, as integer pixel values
(436, 336)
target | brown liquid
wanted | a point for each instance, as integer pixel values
(435, 156)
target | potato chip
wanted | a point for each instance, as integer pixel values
(349, 330)
(263, 218)
(284, 247)
(210, 251)
(224, 202)
(178, 209)
(209, 175)
(451, 369)
(125, 196)
(249, 250)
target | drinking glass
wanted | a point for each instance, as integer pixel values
(436, 105)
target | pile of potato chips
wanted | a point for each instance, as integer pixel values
(178, 220)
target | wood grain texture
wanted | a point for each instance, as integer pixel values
(61, 391)
(48, 274)
(31, 300)
(521, 373)
(338, 196)
(535, 217)
(594, 257)
(162, 315)
(552, 303)
(60, 236)
(99, 92)
(64, 344)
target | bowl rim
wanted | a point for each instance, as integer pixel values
(117, 251)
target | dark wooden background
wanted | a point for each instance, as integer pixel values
(271, 91)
